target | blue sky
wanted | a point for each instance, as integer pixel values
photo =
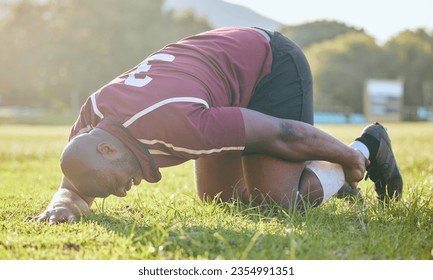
(380, 18)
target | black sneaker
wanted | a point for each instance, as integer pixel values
(383, 169)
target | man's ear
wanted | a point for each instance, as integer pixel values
(106, 149)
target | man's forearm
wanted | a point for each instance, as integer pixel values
(65, 206)
(305, 142)
(67, 197)
(64, 198)
(66, 185)
(292, 140)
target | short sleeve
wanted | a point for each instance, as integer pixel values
(85, 118)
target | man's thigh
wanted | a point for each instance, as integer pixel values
(272, 180)
(264, 178)
(220, 176)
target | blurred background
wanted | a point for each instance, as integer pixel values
(370, 61)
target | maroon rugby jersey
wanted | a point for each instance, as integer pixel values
(183, 101)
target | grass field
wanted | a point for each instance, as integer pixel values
(167, 221)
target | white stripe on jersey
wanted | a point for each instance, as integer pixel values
(95, 106)
(162, 103)
(186, 150)
(170, 146)
(158, 152)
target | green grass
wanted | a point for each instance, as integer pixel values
(167, 221)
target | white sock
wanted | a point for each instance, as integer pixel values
(330, 175)
(357, 145)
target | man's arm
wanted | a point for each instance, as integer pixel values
(66, 205)
(297, 141)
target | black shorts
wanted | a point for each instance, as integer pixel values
(287, 92)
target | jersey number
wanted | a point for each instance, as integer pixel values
(136, 80)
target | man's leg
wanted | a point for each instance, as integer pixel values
(220, 176)
(267, 180)
(321, 180)
(291, 184)
(272, 180)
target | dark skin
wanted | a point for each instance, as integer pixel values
(99, 165)
(94, 164)
(288, 140)
(298, 142)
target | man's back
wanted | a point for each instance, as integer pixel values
(163, 101)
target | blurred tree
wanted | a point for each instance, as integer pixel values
(410, 57)
(58, 49)
(340, 68)
(54, 53)
(428, 36)
(315, 32)
(342, 61)
(21, 62)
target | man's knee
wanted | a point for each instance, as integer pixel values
(272, 180)
(219, 177)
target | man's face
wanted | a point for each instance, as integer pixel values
(114, 178)
(98, 165)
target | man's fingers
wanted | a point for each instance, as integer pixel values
(29, 219)
(72, 219)
(41, 218)
(57, 218)
(53, 220)
(54, 216)
(354, 185)
(62, 217)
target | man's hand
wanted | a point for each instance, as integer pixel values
(55, 215)
(356, 170)
(65, 206)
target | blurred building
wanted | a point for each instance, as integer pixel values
(383, 100)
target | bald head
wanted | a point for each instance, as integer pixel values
(98, 164)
